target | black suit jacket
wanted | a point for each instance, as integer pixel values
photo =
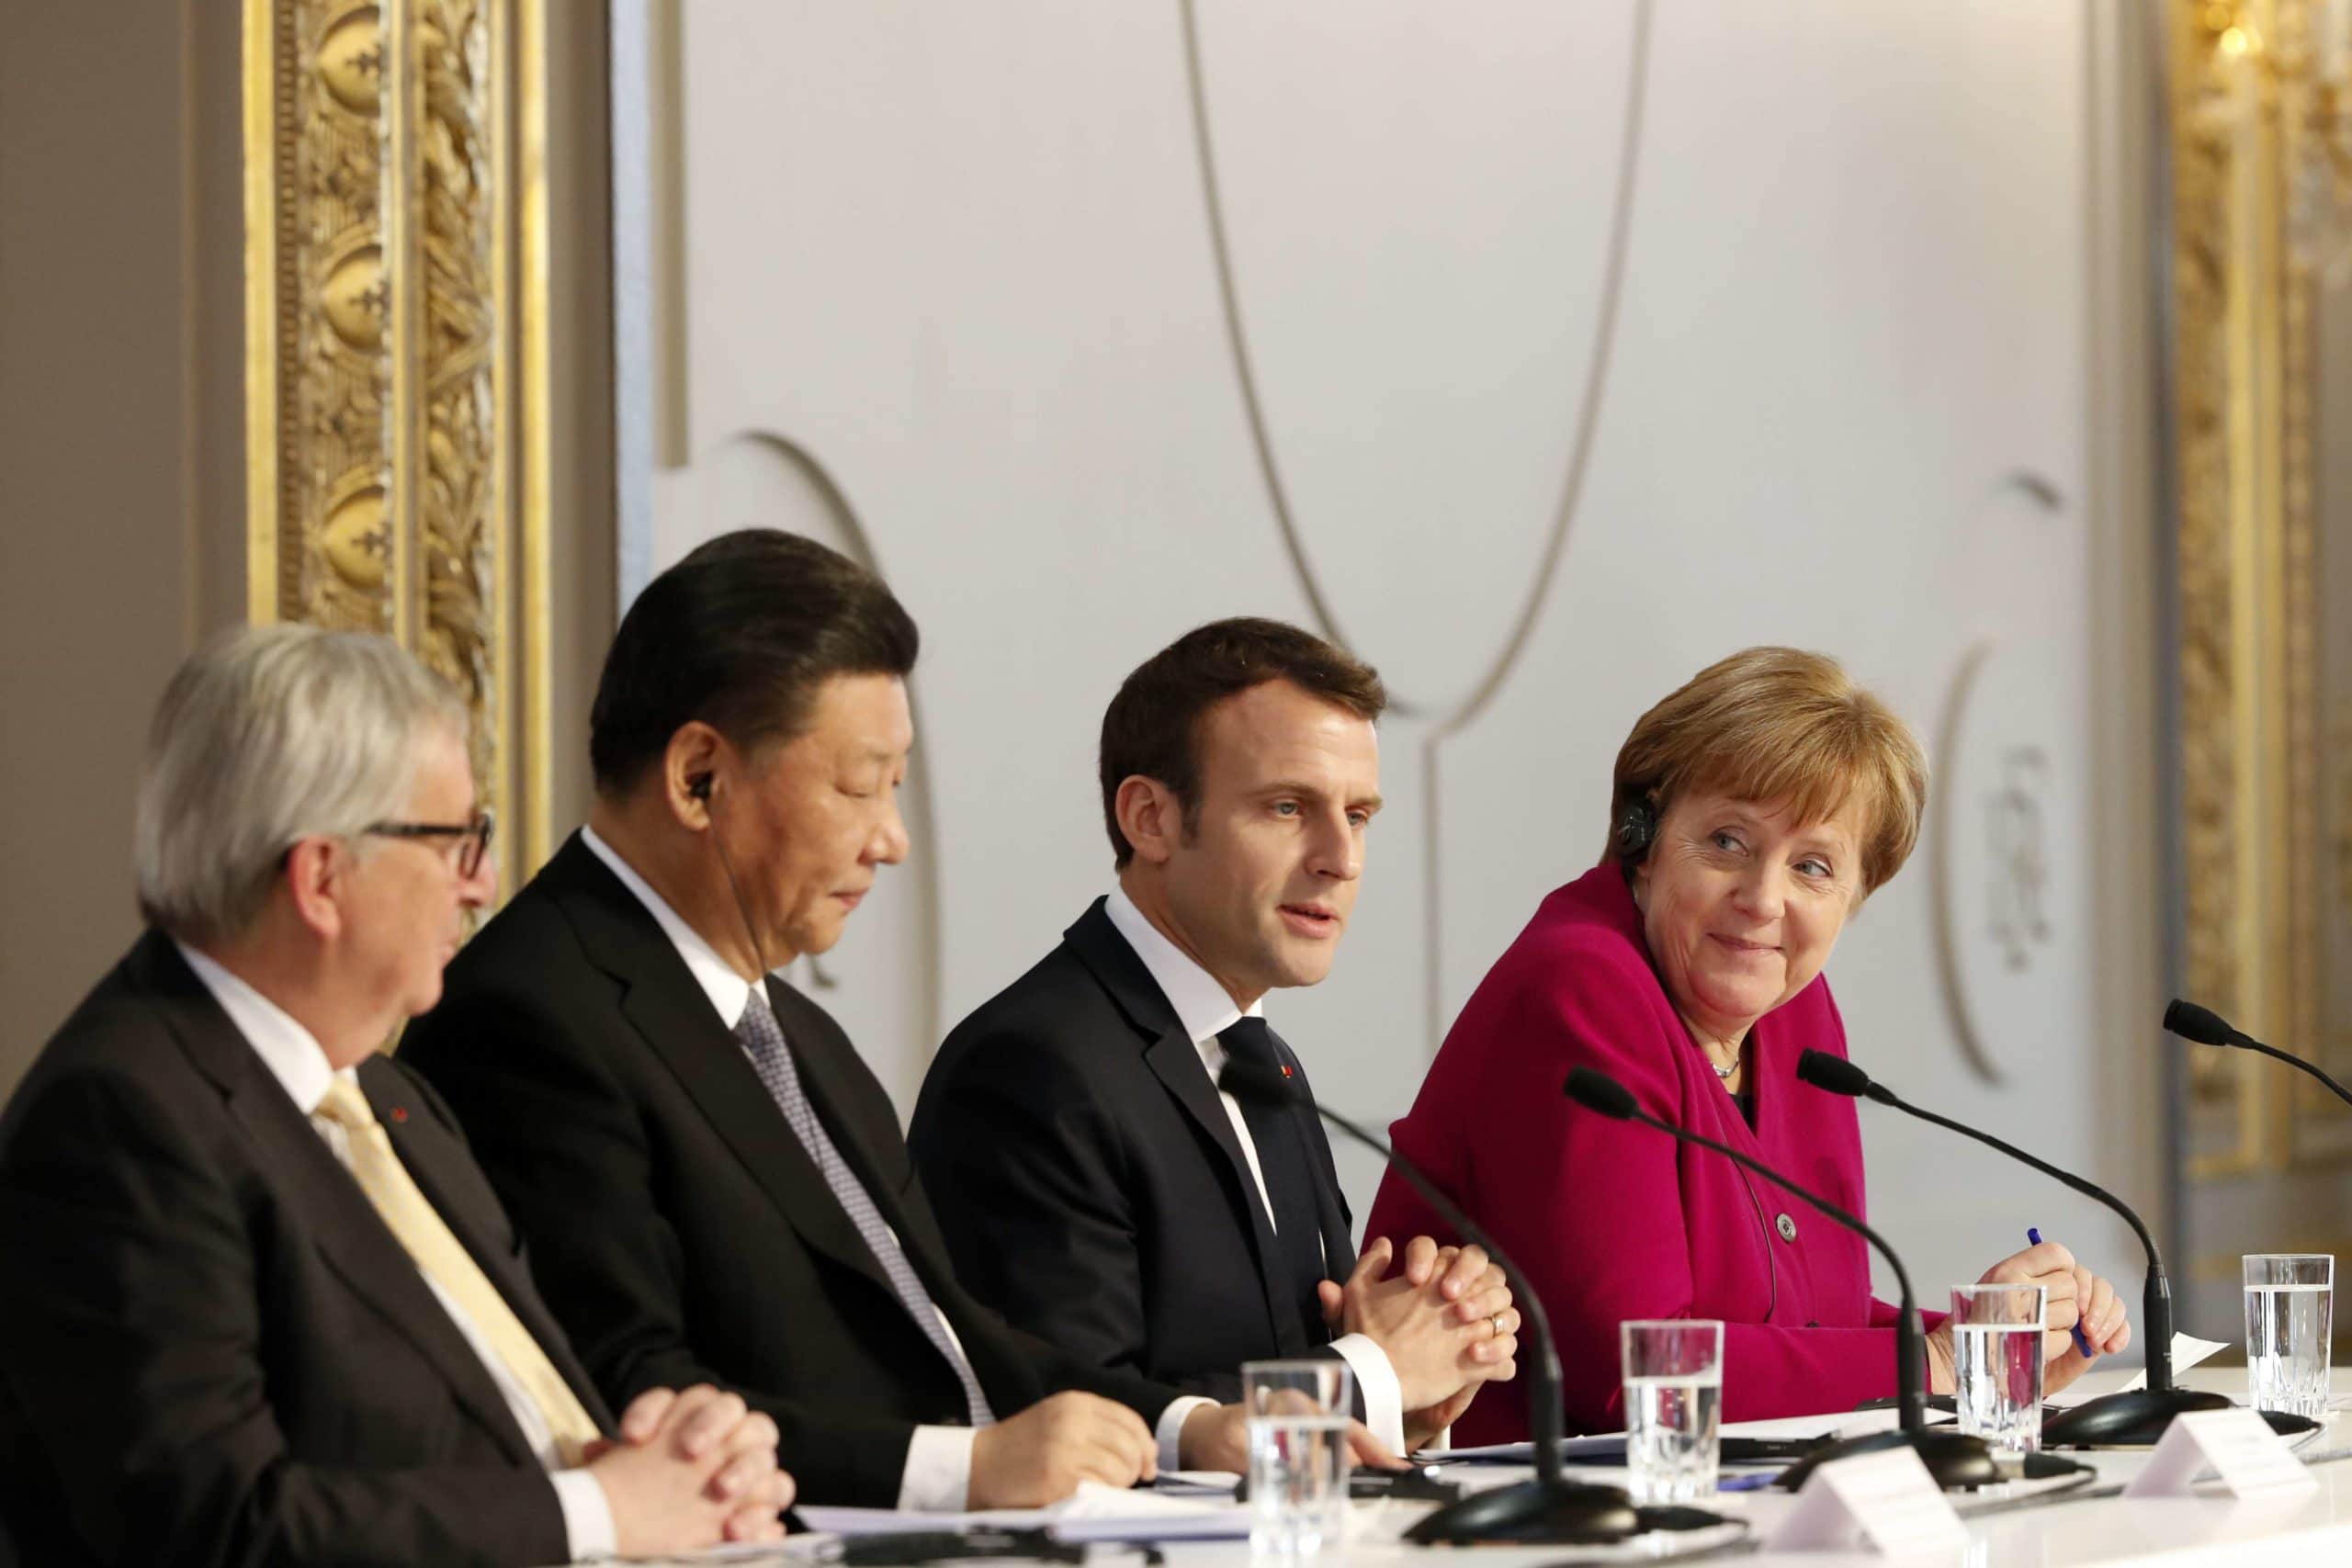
(215, 1352)
(1090, 1181)
(676, 1223)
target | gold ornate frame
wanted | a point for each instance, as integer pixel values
(397, 454)
(2245, 105)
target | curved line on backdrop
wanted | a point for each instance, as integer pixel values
(1572, 487)
(1596, 375)
(926, 875)
(1941, 873)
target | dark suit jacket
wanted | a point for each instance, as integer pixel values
(676, 1223)
(215, 1352)
(1090, 1181)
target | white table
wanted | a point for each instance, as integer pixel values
(2315, 1527)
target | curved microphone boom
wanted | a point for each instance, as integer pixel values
(1549, 1509)
(2129, 1418)
(1955, 1460)
(2206, 1027)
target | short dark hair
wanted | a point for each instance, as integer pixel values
(740, 634)
(1153, 726)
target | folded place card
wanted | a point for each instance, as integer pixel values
(1884, 1502)
(2237, 1445)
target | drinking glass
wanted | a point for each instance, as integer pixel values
(1674, 1401)
(1297, 1414)
(2289, 1315)
(1996, 1362)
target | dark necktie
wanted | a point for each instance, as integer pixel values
(1285, 1159)
(772, 1058)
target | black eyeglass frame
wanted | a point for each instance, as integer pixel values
(474, 836)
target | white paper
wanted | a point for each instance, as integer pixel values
(2187, 1351)
(1611, 1444)
(2237, 1445)
(1096, 1512)
(1885, 1500)
(892, 1521)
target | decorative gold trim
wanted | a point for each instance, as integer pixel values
(391, 290)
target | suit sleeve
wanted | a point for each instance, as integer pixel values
(1027, 1181)
(1595, 1214)
(123, 1241)
(566, 1149)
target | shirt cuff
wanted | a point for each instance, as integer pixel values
(1170, 1431)
(587, 1515)
(1384, 1396)
(938, 1477)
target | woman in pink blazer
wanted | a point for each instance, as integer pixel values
(1753, 811)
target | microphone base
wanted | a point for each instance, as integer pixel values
(1540, 1513)
(2137, 1418)
(1959, 1463)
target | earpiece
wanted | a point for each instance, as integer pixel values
(1636, 829)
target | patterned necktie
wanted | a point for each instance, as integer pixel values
(444, 1260)
(1289, 1165)
(772, 1058)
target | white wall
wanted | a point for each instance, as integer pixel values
(942, 283)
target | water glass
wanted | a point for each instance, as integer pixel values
(1674, 1403)
(1997, 1333)
(2290, 1317)
(1297, 1414)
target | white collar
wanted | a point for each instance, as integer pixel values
(727, 991)
(1202, 1006)
(291, 1052)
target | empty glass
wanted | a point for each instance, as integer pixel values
(1297, 1414)
(2290, 1315)
(1674, 1402)
(1996, 1334)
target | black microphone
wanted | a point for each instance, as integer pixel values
(1549, 1509)
(1952, 1459)
(2124, 1419)
(2208, 1028)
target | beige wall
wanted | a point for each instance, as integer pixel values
(122, 438)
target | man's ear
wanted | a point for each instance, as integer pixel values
(317, 874)
(1150, 816)
(690, 772)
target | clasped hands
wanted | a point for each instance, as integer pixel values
(690, 1469)
(1445, 1320)
(2072, 1294)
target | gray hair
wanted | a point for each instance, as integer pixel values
(266, 736)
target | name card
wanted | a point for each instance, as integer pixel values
(1883, 1501)
(2237, 1445)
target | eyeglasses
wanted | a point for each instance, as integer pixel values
(473, 836)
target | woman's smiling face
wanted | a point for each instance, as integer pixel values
(1741, 904)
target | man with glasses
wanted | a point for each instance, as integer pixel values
(260, 1304)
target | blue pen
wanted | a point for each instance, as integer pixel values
(2033, 1238)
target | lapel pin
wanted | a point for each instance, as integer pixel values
(400, 1112)
(1285, 1069)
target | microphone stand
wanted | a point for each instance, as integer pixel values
(2128, 1418)
(1551, 1509)
(1955, 1460)
(2208, 1028)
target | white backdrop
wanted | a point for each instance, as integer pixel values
(1544, 353)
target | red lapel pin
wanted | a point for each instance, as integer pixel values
(400, 1112)
(1285, 1069)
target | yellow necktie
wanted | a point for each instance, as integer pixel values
(445, 1261)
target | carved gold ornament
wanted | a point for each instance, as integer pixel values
(396, 290)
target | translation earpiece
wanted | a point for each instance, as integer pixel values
(1636, 829)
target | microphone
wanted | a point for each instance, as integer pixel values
(2208, 1028)
(1955, 1460)
(2124, 1419)
(1549, 1509)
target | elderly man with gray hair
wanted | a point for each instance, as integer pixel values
(261, 1306)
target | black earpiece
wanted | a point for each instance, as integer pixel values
(1636, 829)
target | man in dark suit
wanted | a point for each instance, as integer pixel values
(713, 1183)
(262, 1306)
(1093, 1183)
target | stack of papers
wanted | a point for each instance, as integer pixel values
(1202, 1510)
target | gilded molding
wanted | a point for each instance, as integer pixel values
(387, 319)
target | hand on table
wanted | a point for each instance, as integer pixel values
(691, 1470)
(1040, 1456)
(1217, 1437)
(2072, 1294)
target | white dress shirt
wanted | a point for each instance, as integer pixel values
(298, 1063)
(938, 1477)
(1206, 1009)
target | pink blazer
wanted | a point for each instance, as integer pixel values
(1610, 1220)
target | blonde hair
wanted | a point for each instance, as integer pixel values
(1781, 726)
(267, 735)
